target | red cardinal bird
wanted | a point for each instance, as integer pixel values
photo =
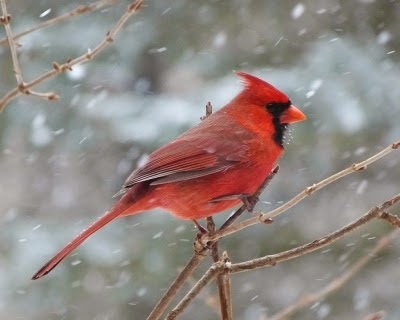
(209, 168)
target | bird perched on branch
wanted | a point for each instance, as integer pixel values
(210, 168)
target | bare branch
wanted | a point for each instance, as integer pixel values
(202, 244)
(392, 219)
(21, 87)
(224, 266)
(211, 300)
(80, 10)
(5, 20)
(224, 299)
(200, 251)
(273, 259)
(208, 111)
(338, 282)
(175, 286)
(263, 217)
(260, 189)
(227, 286)
(215, 269)
(57, 68)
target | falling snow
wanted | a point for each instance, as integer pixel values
(384, 37)
(180, 229)
(362, 186)
(323, 310)
(78, 72)
(41, 134)
(63, 160)
(361, 299)
(158, 50)
(298, 10)
(220, 39)
(141, 292)
(75, 262)
(45, 13)
(158, 235)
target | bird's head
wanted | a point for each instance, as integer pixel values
(276, 105)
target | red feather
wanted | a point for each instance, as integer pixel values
(206, 169)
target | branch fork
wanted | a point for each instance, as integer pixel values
(25, 87)
(222, 268)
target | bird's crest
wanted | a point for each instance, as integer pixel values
(261, 88)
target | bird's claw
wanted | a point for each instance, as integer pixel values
(249, 201)
(199, 227)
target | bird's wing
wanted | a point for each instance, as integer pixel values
(189, 157)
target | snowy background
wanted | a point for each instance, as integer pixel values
(61, 162)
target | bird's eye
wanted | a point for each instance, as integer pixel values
(277, 108)
(272, 107)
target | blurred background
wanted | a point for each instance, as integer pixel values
(61, 162)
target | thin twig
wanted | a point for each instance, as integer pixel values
(201, 250)
(80, 10)
(210, 300)
(5, 20)
(222, 290)
(273, 259)
(21, 87)
(227, 286)
(263, 217)
(391, 218)
(175, 286)
(209, 111)
(216, 268)
(338, 282)
(290, 254)
(260, 189)
(57, 68)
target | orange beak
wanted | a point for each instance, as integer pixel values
(291, 115)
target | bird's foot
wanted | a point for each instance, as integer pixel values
(199, 243)
(200, 228)
(249, 201)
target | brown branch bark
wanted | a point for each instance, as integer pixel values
(210, 239)
(238, 213)
(391, 218)
(222, 267)
(264, 217)
(224, 297)
(5, 20)
(58, 69)
(216, 268)
(200, 251)
(273, 259)
(80, 10)
(175, 286)
(338, 282)
(227, 285)
(209, 111)
(21, 86)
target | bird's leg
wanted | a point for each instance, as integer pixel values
(260, 189)
(249, 201)
(198, 244)
(199, 227)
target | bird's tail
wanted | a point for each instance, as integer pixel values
(122, 205)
